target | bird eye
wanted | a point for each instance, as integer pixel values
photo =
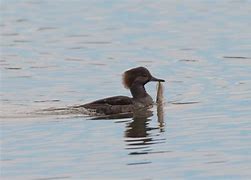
(144, 75)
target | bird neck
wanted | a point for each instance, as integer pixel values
(138, 91)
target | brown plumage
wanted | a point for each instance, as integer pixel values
(130, 75)
(133, 79)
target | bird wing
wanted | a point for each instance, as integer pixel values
(110, 101)
(115, 100)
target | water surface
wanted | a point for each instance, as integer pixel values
(61, 53)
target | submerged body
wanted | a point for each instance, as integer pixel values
(134, 79)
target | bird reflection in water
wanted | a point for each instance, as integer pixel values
(138, 128)
(139, 136)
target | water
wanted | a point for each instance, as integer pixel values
(61, 53)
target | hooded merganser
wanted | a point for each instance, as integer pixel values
(133, 79)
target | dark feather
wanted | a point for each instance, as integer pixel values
(115, 100)
(110, 105)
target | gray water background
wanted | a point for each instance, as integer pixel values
(60, 53)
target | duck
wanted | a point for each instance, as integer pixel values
(133, 79)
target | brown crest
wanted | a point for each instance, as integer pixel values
(130, 75)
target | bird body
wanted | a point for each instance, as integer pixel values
(133, 79)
